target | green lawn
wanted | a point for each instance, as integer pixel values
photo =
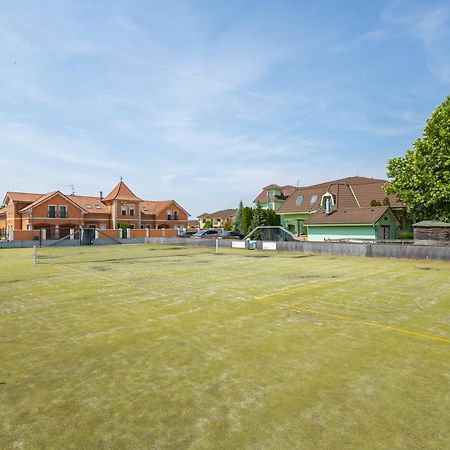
(142, 347)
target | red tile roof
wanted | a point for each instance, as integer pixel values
(40, 199)
(92, 205)
(121, 192)
(150, 207)
(48, 195)
(357, 216)
(22, 196)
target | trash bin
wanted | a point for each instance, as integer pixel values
(252, 245)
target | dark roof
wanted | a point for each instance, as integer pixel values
(305, 206)
(351, 192)
(222, 214)
(346, 216)
(431, 224)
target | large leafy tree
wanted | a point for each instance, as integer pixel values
(421, 179)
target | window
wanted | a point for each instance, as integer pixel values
(63, 211)
(299, 200)
(52, 211)
(175, 215)
(123, 210)
(313, 199)
(97, 206)
(88, 206)
(131, 211)
(169, 214)
(270, 195)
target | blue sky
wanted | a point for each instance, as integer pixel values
(208, 101)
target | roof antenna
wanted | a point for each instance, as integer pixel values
(72, 188)
(121, 179)
(298, 183)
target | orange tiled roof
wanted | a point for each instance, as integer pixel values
(3, 210)
(23, 196)
(42, 198)
(92, 205)
(121, 192)
(155, 207)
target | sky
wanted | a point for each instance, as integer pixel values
(207, 101)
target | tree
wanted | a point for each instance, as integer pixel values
(208, 224)
(236, 224)
(258, 219)
(272, 218)
(227, 225)
(421, 179)
(247, 214)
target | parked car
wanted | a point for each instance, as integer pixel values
(230, 235)
(202, 234)
(186, 234)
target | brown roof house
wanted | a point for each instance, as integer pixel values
(218, 218)
(353, 208)
(58, 213)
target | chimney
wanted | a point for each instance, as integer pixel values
(101, 195)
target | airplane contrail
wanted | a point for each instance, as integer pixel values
(154, 64)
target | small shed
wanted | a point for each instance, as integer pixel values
(431, 232)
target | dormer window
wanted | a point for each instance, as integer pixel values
(88, 206)
(97, 206)
(299, 200)
(327, 199)
(313, 199)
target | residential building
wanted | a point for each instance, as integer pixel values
(218, 218)
(273, 196)
(59, 213)
(353, 207)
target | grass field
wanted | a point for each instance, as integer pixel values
(143, 347)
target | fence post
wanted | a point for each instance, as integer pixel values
(128, 233)
(34, 255)
(43, 234)
(217, 245)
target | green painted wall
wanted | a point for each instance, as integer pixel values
(388, 219)
(318, 233)
(290, 221)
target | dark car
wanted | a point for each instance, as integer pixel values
(186, 234)
(230, 235)
(205, 234)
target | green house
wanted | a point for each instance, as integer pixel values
(351, 195)
(273, 196)
(372, 223)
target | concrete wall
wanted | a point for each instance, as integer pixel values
(403, 251)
